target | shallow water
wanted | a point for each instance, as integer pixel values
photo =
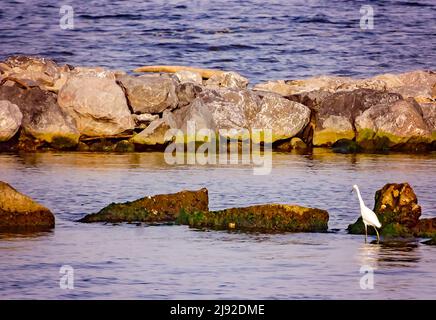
(130, 261)
(276, 39)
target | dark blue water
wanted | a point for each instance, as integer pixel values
(278, 39)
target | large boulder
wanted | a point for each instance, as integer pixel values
(98, 105)
(18, 211)
(43, 119)
(10, 120)
(241, 110)
(150, 93)
(153, 209)
(336, 114)
(261, 218)
(392, 126)
(397, 208)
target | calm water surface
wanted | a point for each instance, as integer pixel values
(275, 39)
(130, 261)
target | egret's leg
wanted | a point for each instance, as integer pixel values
(378, 236)
(366, 232)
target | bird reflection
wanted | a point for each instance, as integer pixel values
(389, 254)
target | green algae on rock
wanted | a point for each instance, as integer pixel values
(153, 209)
(260, 218)
(397, 208)
(18, 211)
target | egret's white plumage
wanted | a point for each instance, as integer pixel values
(368, 216)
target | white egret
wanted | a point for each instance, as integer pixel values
(369, 218)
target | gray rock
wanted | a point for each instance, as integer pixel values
(393, 124)
(10, 120)
(98, 106)
(150, 93)
(43, 119)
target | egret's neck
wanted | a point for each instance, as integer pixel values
(360, 197)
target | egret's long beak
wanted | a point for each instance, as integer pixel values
(351, 190)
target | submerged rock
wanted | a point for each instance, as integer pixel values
(346, 146)
(262, 218)
(397, 208)
(10, 120)
(43, 119)
(98, 106)
(153, 209)
(18, 211)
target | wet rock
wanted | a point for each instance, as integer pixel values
(337, 113)
(102, 146)
(189, 76)
(150, 93)
(292, 144)
(43, 119)
(346, 146)
(261, 218)
(227, 80)
(124, 146)
(98, 106)
(18, 211)
(392, 126)
(397, 208)
(82, 147)
(153, 209)
(10, 120)
(425, 228)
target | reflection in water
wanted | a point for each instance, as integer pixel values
(389, 254)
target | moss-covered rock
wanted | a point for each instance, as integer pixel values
(346, 146)
(18, 211)
(261, 218)
(425, 228)
(124, 146)
(397, 208)
(152, 209)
